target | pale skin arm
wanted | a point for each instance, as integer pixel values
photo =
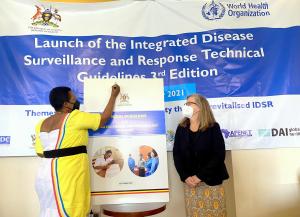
(110, 105)
(196, 179)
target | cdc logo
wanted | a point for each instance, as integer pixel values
(4, 139)
(213, 11)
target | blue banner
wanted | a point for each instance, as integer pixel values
(242, 56)
(219, 63)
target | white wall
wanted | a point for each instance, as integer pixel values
(17, 194)
(266, 182)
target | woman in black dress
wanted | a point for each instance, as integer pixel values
(199, 154)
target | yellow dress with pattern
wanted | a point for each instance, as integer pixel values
(63, 184)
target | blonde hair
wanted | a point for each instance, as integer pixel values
(206, 116)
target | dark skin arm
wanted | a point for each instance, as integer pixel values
(110, 105)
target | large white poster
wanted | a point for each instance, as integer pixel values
(128, 155)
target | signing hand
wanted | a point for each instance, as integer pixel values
(115, 90)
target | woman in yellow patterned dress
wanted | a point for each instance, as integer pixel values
(199, 154)
(63, 179)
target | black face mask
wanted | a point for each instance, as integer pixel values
(76, 105)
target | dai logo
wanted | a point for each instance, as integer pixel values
(46, 17)
(280, 132)
(264, 132)
(213, 11)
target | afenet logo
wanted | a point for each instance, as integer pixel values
(236, 133)
(4, 139)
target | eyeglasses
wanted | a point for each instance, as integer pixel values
(190, 103)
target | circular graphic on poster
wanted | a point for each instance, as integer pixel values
(107, 162)
(144, 162)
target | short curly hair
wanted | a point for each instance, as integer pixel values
(58, 96)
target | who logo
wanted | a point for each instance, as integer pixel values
(213, 11)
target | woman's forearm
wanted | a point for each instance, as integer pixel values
(110, 105)
(106, 115)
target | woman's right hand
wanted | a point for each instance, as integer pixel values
(190, 182)
(106, 114)
(196, 179)
(115, 90)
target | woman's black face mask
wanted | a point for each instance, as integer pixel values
(76, 105)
